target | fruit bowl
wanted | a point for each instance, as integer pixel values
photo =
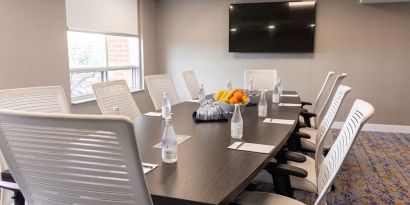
(226, 99)
(230, 108)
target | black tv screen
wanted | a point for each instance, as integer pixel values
(274, 27)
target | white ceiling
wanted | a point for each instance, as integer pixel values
(381, 1)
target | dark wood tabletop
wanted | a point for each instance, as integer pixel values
(207, 172)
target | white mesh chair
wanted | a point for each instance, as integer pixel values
(328, 170)
(115, 94)
(157, 85)
(319, 96)
(49, 99)
(317, 134)
(316, 143)
(73, 159)
(315, 121)
(191, 83)
(262, 79)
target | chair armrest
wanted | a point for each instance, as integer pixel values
(302, 135)
(294, 156)
(306, 117)
(305, 103)
(290, 170)
(308, 114)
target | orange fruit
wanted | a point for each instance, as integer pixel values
(238, 95)
(233, 100)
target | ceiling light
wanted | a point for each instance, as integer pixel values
(271, 27)
(233, 29)
(312, 25)
(302, 3)
(230, 7)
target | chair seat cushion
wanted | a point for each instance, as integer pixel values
(309, 144)
(309, 183)
(262, 198)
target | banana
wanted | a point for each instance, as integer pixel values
(230, 93)
(219, 94)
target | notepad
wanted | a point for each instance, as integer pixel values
(282, 121)
(289, 95)
(289, 105)
(180, 139)
(195, 101)
(279, 121)
(267, 120)
(153, 114)
(252, 147)
(147, 167)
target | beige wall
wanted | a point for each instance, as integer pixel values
(369, 42)
(33, 47)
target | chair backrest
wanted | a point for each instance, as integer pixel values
(157, 85)
(361, 112)
(73, 159)
(115, 94)
(324, 127)
(319, 97)
(262, 79)
(325, 105)
(191, 83)
(49, 99)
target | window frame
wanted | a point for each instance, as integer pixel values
(137, 70)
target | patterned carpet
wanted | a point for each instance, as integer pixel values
(376, 172)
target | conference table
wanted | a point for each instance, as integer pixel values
(207, 172)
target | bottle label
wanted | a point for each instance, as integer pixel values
(169, 153)
(236, 129)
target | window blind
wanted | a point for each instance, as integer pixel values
(103, 16)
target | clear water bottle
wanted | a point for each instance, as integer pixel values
(262, 106)
(169, 143)
(237, 123)
(229, 85)
(201, 95)
(275, 94)
(116, 110)
(251, 85)
(280, 86)
(166, 107)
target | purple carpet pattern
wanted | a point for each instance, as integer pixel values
(376, 172)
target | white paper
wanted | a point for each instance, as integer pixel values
(267, 120)
(289, 95)
(195, 101)
(289, 105)
(153, 114)
(147, 169)
(252, 147)
(282, 121)
(10, 185)
(180, 139)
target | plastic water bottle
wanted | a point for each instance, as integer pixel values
(275, 94)
(262, 106)
(169, 143)
(237, 123)
(251, 85)
(229, 84)
(116, 110)
(201, 95)
(166, 107)
(280, 86)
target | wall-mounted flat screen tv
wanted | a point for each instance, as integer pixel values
(274, 27)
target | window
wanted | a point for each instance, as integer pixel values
(96, 57)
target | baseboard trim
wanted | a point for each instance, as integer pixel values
(379, 127)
